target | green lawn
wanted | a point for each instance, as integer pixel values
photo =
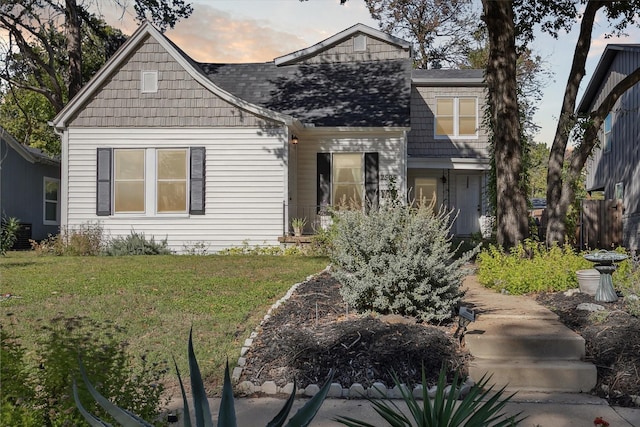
(155, 298)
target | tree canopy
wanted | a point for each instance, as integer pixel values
(53, 47)
(438, 29)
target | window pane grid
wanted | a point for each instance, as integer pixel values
(456, 117)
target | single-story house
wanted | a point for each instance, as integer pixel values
(614, 166)
(226, 154)
(29, 189)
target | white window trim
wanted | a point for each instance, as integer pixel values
(456, 118)
(150, 186)
(148, 86)
(45, 201)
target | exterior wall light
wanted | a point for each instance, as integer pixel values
(294, 139)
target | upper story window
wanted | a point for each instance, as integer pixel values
(456, 117)
(606, 140)
(51, 207)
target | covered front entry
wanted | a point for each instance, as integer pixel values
(468, 202)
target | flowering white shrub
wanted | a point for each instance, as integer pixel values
(398, 259)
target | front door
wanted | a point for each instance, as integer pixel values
(468, 202)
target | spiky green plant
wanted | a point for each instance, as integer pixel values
(226, 415)
(476, 409)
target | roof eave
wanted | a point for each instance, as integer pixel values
(448, 82)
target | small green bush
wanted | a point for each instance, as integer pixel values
(627, 280)
(41, 395)
(85, 240)
(16, 392)
(8, 234)
(530, 267)
(400, 260)
(136, 244)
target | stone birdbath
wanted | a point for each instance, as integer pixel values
(605, 264)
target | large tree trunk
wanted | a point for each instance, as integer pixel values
(559, 192)
(511, 209)
(74, 47)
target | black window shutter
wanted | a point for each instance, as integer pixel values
(324, 180)
(103, 182)
(197, 196)
(371, 181)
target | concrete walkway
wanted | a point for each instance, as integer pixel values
(552, 409)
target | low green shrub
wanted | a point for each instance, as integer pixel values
(136, 244)
(627, 280)
(530, 267)
(398, 259)
(85, 240)
(38, 391)
(8, 234)
(16, 392)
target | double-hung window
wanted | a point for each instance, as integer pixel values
(456, 117)
(129, 181)
(51, 208)
(171, 185)
(150, 181)
(348, 179)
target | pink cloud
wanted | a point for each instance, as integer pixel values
(211, 35)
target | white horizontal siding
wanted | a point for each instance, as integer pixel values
(390, 147)
(245, 186)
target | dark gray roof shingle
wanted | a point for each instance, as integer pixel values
(353, 94)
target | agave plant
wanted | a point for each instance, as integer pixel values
(478, 408)
(226, 415)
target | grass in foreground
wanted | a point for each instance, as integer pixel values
(155, 298)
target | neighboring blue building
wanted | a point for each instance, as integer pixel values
(614, 166)
(29, 189)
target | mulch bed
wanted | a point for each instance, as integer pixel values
(312, 333)
(612, 343)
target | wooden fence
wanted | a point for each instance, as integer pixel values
(601, 224)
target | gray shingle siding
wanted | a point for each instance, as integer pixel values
(179, 101)
(421, 140)
(343, 52)
(621, 162)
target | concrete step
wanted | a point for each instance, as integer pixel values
(535, 375)
(511, 338)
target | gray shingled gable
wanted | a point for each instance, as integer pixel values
(353, 94)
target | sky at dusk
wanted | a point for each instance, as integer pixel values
(236, 31)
